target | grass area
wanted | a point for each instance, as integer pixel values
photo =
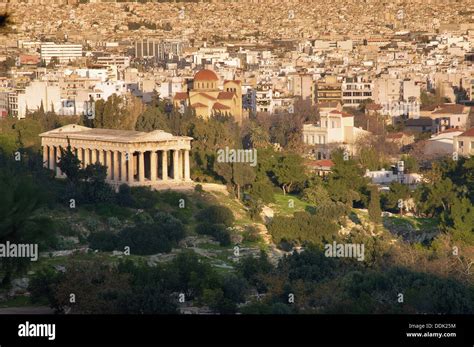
(241, 216)
(288, 204)
(419, 224)
(19, 301)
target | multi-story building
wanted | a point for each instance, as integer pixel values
(387, 91)
(4, 109)
(249, 101)
(13, 102)
(159, 50)
(355, 90)
(410, 91)
(35, 95)
(264, 98)
(301, 85)
(328, 89)
(63, 52)
(121, 62)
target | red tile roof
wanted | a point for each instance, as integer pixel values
(469, 132)
(181, 96)
(219, 106)
(198, 104)
(207, 96)
(226, 95)
(206, 75)
(450, 109)
(373, 107)
(344, 114)
(320, 163)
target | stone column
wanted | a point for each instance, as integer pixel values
(51, 157)
(116, 166)
(175, 164)
(187, 169)
(181, 164)
(131, 168)
(93, 156)
(100, 157)
(141, 167)
(45, 156)
(87, 157)
(58, 155)
(164, 163)
(123, 167)
(80, 156)
(108, 155)
(153, 167)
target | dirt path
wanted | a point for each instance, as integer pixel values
(27, 310)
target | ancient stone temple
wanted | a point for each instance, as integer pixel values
(156, 158)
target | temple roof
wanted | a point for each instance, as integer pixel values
(79, 132)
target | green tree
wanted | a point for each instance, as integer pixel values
(20, 219)
(375, 212)
(217, 214)
(70, 164)
(289, 171)
(242, 175)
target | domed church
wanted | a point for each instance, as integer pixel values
(205, 97)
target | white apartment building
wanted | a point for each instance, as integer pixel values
(386, 91)
(410, 91)
(35, 94)
(170, 87)
(63, 52)
(264, 99)
(355, 90)
(121, 62)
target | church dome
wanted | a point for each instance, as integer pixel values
(206, 75)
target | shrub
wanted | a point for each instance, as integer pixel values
(217, 215)
(124, 196)
(251, 234)
(198, 188)
(91, 224)
(144, 239)
(143, 218)
(170, 226)
(143, 197)
(103, 241)
(263, 190)
(113, 222)
(217, 231)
